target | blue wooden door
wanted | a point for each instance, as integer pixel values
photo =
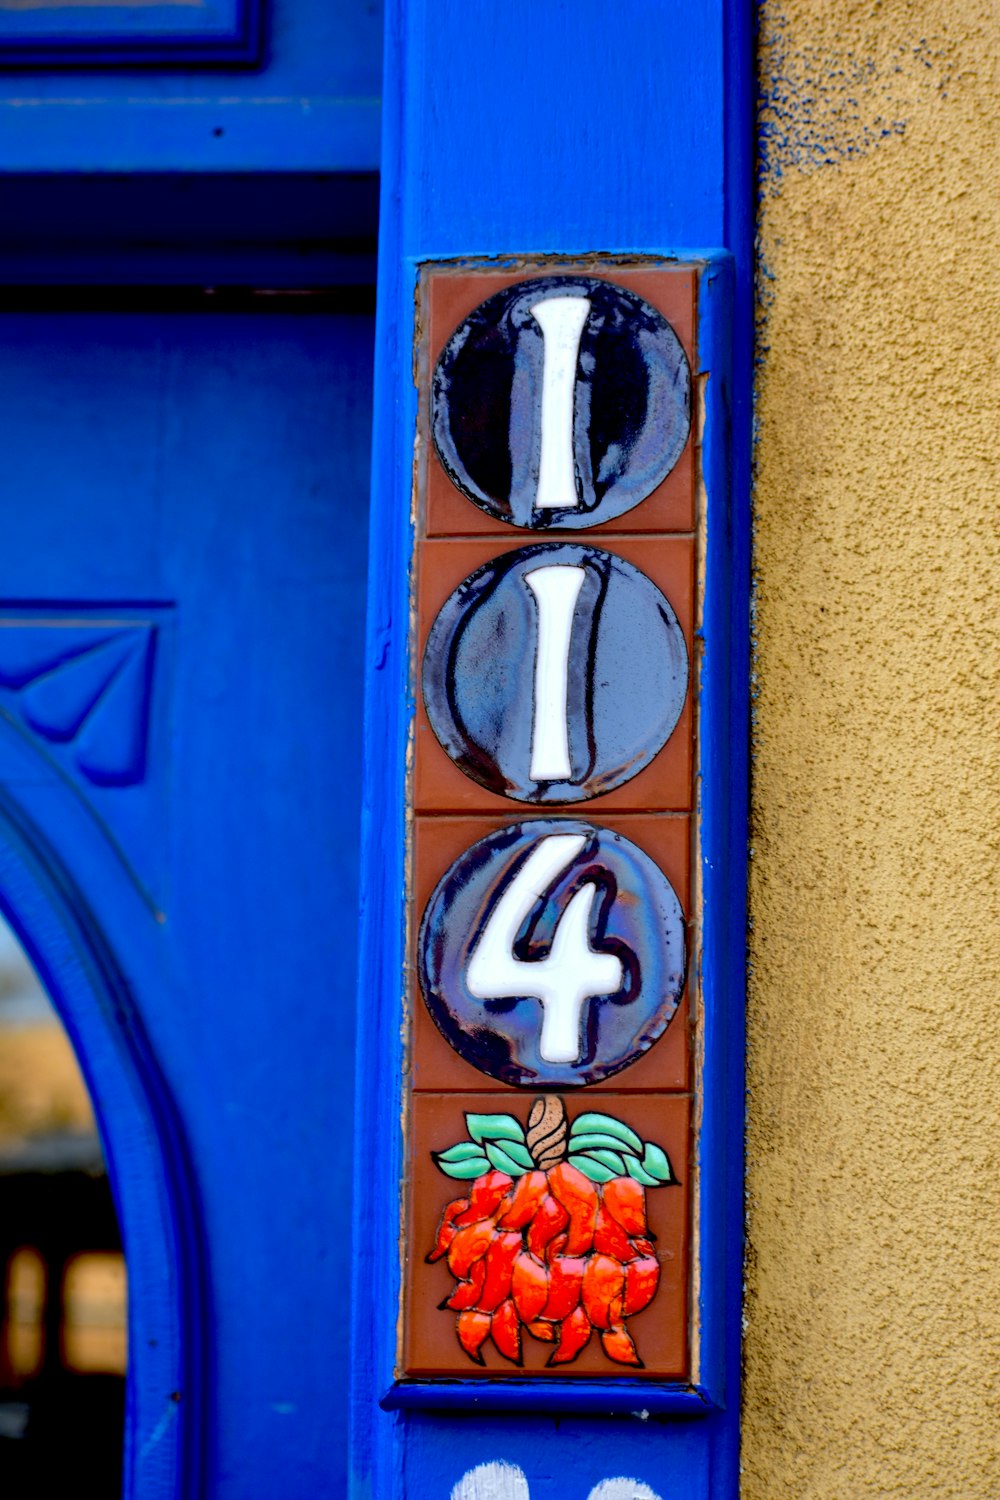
(181, 620)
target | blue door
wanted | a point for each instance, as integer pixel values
(183, 566)
(185, 843)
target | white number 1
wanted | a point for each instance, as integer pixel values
(562, 321)
(555, 590)
(571, 974)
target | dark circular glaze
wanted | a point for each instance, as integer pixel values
(631, 403)
(635, 915)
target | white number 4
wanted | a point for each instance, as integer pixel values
(571, 973)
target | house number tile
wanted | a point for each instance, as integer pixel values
(441, 843)
(552, 934)
(532, 681)
(460, 305)
(560, 402)
(552, 953)
(511, 669)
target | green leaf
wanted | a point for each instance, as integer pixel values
(596, 1140)
(494, 1128)
(464, 1151)
(592, 1169)
(613, 1160)
(639, 1174)
(606, 1125)
(511, 1158)
(475, 1166)
(657, 1164)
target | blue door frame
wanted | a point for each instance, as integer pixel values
(528, 130)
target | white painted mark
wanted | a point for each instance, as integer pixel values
(497, 1481)
(622, 1489)
(555, 590)
(562, 321)
(572, 972)
(503, 1481)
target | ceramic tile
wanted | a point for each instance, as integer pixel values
(550, 925)
(438, 843)
(567, 1256)
(449, 297)
(665, 782)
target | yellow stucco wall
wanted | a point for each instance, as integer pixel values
(873, 1284)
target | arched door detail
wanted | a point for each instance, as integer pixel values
(78, 961)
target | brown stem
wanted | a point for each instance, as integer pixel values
(547, 1131)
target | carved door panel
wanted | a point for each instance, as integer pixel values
(181, 605)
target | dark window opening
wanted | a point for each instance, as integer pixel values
(62, 1272)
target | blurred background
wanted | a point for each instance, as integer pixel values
(63, 1310)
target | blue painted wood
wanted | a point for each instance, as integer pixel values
(312, 105)
(600, 1399)
(562, 1458)
(564, 131)
(205, 472)
(96, 35)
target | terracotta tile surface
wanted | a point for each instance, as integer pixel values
(431, 1346)
(451, 812)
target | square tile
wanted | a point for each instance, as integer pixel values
(438, 842)
(665, 784)
(448, 296)
(430, 1345)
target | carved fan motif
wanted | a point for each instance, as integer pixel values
(85, 685)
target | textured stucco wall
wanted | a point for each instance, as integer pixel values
(873, 1337)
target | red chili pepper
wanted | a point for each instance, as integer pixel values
(565, 1286)
(530, 1286)
(473, 1326)
(467, 1293)
(610, 1238)
(524, 1201)
(578, 1196)
(642, 1277)
(545, 1332)
(499, 1265)
(485, 1196)
(446, 1229)
(618, 1345)
(555, 1247)
(603, 1285)
(550, 1219)
(505, 1328)
(573, 1335)
(625, 1200)
(468, 1245)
